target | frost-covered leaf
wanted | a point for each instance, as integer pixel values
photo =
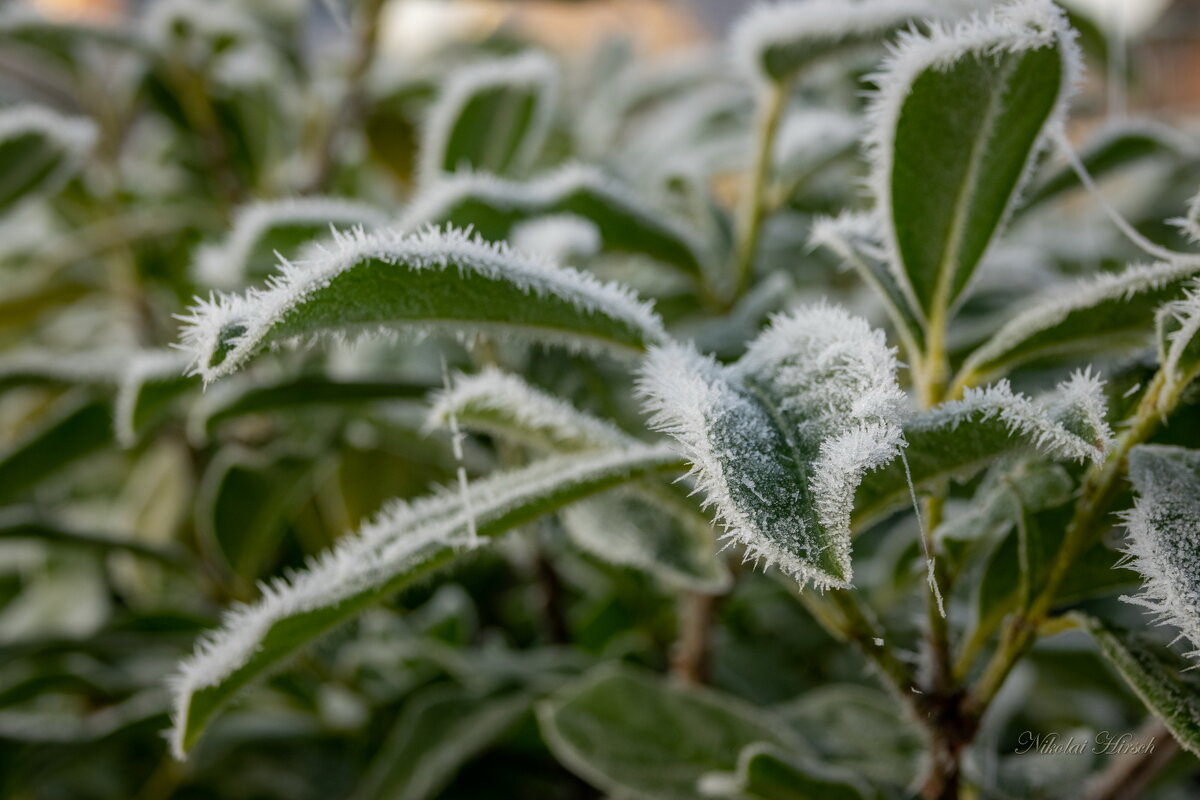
(768, 772)
(957, 121)
(430, 281)
(645, 525)
(961, 437)
(493, 207)
(492, 115)
(406, 542)
(636, 736)
(39, 150)
(266, 230)
(1119, 144)
(809, 141)
(230, 400)
(1108, 310)
(1189, 224)
(59, 368)
(1179, 343)
(439, 731)
(77, 427)
(1164, 535)
(780, 440)
(150, 381)
(775, 42)
(1156, 676)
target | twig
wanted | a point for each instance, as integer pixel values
(690, 657)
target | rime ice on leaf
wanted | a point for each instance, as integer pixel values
(956, 123)
(780, 440)
(1164, 535)
(493, 116)
(774, 42)
(403, 544)
(39, 149)
(1179, 342)
(435, 280)
(1190, 224)
(265, 228)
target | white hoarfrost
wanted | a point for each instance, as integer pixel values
(225, 265)
(559, 238)
(1018, 27)
(1189, 224)
(500, 403)
(1178, 361)
(73, 137)
(242, 324)
(532, 72)
(1164, 536)
(400, 538)
(817, 24)
(140, 369)
(779, 441)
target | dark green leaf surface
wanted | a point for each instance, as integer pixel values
(78, 427)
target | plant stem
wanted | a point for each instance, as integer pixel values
(697, 613)
(753, 200)
(1100, 487)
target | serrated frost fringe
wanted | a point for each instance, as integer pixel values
(1163, 543)
(532, 70)
(382, 548)
(1186, 312)
(258, 310)
(223, 265)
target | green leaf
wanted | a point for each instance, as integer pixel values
(439, 732)
(493, 207)
(231, 401)
(777, 42)
(767, 772)
(267, 230)
(77, 427)
(404, 544)
(151, 381)
(242, 505)
(959, 438)
(39, 150)
(1115, 146)
(1156, 676)
(780, 440)
(633, 735)
(492, 116)
(433, 280)
(1095, 313)
(957, 121)
(1178, 329)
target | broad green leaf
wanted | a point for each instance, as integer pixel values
(777, 42)
(22, 523)
(267, 230)
(1122, 143)
(957, 122)
(491, 116)
(1164, 535)
(768, 772)
(1178, 331)
(1108, 310)
(646, 525)
(1156, 676)
(230, 401)
(39, 150)
(959, 438)
(404, 544)
(780, 440)
(1033, 484)
(493, 207)
(433, 280)
(634, 735)
(151, 380)
(77, 427)
(242, 505)
(439, 732)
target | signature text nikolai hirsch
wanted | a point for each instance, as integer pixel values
(1104, 744)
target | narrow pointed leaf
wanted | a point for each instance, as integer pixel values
(633, 735)
(433, 280)
(957, 122)
(780, 440)
(39, 150)
(1112, 309)
(491, 116)
(493, 207)
(1156, 676)
(406, 543)
(959, 438)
